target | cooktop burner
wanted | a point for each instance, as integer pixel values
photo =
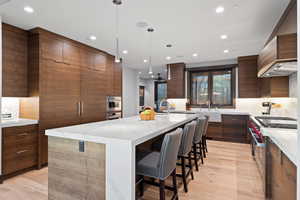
(277, 122)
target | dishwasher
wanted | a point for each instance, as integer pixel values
(258, 150)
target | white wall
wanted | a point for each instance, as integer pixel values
(298, 153)
(130, 92)
(293, 85)
(0, 90)
(149, 91)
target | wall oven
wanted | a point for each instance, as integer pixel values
(113, 107)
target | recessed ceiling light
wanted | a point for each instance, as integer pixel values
(220, 9)
(169, 45)
(150, 72)
(93, 38)
(152, 76)
(140, 72)
(226, 51)
(223, 37)
(195, 54)
(125, 51)
(145, 60)
(168, 58)
(28, 9)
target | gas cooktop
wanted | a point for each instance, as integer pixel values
(277, 122)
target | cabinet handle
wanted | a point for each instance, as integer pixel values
(23, 151)
(79, 108)
(23, 134)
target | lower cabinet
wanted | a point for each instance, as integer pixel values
(281, 174)
(20, 147)
(233, 128)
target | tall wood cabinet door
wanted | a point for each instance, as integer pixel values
(14, 62)
(60, 94)
(93, 94)
(109, 75)
(117, 79)
(51, 48)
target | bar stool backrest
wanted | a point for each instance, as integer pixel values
(187, 138)
(199, 130)
(168, 153)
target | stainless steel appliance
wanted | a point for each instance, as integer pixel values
(277, 122)
(258, 149)
(113, 107)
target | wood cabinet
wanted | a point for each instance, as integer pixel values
(250, 86)
(71, 80)
(176, 86)
(14, 64)
(233, 128)
(274, 87)
(214, 130)
(20, 147)
(282, 48)
(281, 174)
(248, 82)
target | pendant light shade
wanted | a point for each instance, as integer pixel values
(150, 31)
(117, 49)
(169, 72)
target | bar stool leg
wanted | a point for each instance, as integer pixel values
(201, 154)
(175, 184)
(195, 156)
(142, 187)
(184, 174)
(161, 189)
(203, 148)
(205, 144)
(190, 165)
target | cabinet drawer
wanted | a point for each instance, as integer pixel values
(17, 130)
(214, 130)
(234, 120)
(22, 158)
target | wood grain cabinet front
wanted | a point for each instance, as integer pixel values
(20, 147)
(14, 61)
(281, 174)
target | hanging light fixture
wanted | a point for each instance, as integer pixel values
(169, 72)
(117, 56)
(150, 31)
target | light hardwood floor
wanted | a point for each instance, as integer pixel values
(229, 173)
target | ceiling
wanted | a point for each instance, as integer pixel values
(190, 26)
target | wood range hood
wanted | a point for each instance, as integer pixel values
(278, 57)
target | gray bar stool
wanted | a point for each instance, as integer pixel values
(160, 165)
(185, 151)
(204, 143)
(197, 141)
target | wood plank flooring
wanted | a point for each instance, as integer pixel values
(229, 173)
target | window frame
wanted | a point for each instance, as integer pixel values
(210, 71)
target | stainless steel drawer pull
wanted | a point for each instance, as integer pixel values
(23, 151)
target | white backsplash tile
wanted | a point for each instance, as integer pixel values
(11, 106)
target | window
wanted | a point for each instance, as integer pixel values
(214, 86)
(142, 95)
(160, 92)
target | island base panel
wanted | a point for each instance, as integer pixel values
(75, 175)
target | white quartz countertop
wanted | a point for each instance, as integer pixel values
(129, 129)
(17, 122)
(285, 139)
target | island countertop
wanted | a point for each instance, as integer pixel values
(129, 129)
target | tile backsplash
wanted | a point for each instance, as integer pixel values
(11, 106)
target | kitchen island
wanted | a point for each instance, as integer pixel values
(97, 160)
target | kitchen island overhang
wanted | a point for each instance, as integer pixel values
(110, 145)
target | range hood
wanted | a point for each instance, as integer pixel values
(278, 57)
(281, 69)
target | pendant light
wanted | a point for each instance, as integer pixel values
(117, 3)
(150, 31)
(169, 72)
